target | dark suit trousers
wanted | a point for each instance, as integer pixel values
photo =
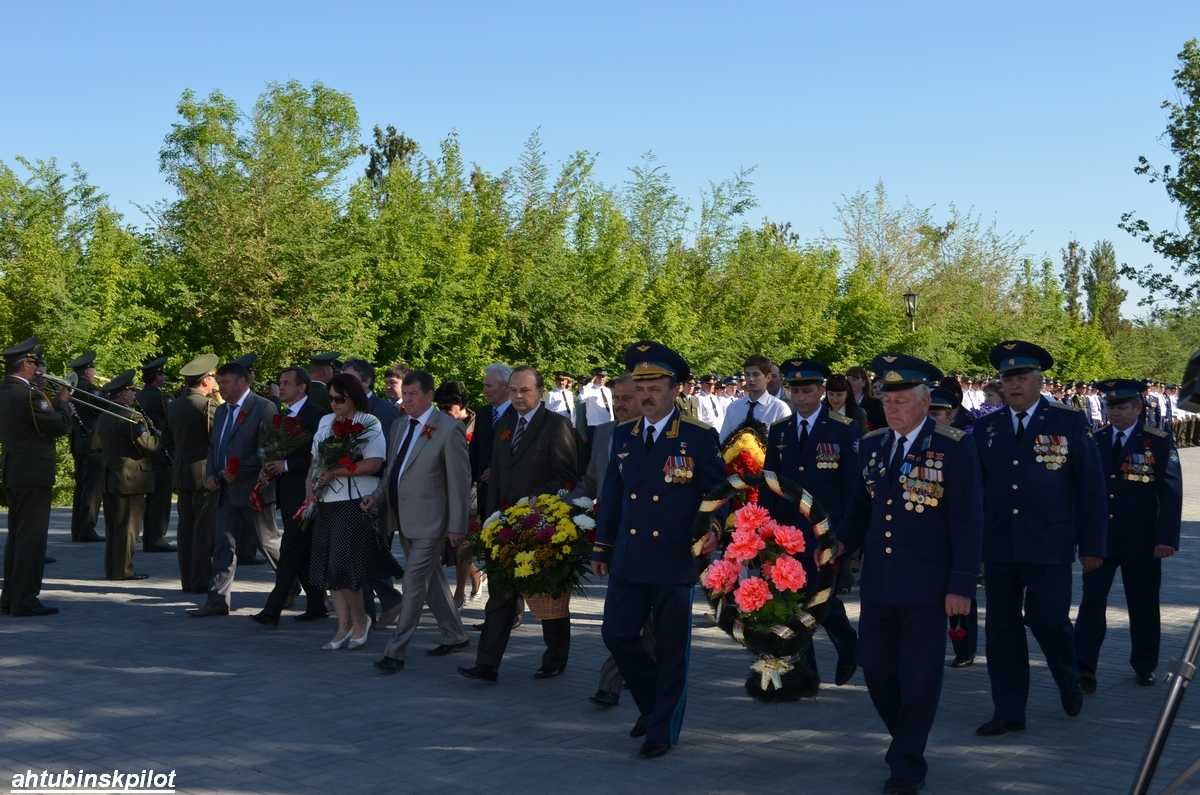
(295, 556)
(25, 545)
(611, 680)
(229, 523)
(659, 682)
(968, 646)
(903, 650)
(194, 537)
(1141, 579)
(499, 614)
(89, 490)
(1044, 593)
(158, 505)
(123, 514)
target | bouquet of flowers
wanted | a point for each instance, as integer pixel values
(539, 547)
(341, 448)
(283, 437)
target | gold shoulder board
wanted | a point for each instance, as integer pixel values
(954, 434)
(842, 418)
(1150, 429)
(692, 421)
(876, 432)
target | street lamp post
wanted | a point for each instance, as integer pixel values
(910, 309)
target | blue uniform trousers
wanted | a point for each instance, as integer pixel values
(1044, 591)
(658, 683)
(902, 650)
(1141, 579)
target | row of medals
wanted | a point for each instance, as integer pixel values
(1051, 454)
(925, 489)
(1137, 472)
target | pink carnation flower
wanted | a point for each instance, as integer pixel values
(788, 574)
(750, 517)
(721, 576)
(766, 570)
(767, 529)
(790, 538)
(745, 546)
(752, 594)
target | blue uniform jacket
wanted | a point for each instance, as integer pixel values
(1145, 492)
(827, 466)
(644, 523)
(1043, 495)
(921, 538)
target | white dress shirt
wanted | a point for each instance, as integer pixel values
(657, 426)
(767, 411)
(1029, 412)
(597, 402)
(708, 408)
(562, 401)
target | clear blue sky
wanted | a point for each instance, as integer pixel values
(1031, 113)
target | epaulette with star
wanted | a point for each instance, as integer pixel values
(839, 417)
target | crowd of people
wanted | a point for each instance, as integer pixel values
(932, 483)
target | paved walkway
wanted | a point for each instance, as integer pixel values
(123, 679)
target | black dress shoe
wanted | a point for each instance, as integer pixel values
(963, 662)
(311, 616)
(255, 561)
(995, 727)
(1146, 680)
(549, 672)
(389, 665)
(652, 749)
(1087, 682)
(163, 547)
(266, 619)
(846, 666)
(476, 627)
(603, 698)
(209, 610)
(896, 786)
(481, 672)
(639, 728)
(447, 648)
(33, 610)
(131, 577)
(1072, 701)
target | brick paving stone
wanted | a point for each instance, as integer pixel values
(122, 678)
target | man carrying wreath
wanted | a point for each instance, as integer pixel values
(661, 466)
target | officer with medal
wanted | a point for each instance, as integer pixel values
(89, 470)
(29, 425)
(127, 442)
(152, 401)
(918, 520)
(1044, 498)
(1145, 502)
(818, 450)
(660, 468)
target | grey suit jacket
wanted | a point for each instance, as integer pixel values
(592, 482)
(240, 441)
(434, 492)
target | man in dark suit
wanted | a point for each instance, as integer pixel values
(89, 471)
(495, 391)
(1044, 501)
(153, 403)
(127, 443)
(321, 368)
(190, 419)
(232, 470)
(29, 425)
(385, 410)
(1145, 502)
(290, 475)
(534, 453)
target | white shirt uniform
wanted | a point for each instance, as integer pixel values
(767, 410)
(709, 409)
(562, 401)
(597, 402)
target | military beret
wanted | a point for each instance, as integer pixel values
(1018, 356)
(83, 362)
(204, 364)
(897, 371)
(803, 371)
(121, 381)
(646, 360)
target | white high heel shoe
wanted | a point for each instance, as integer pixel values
(359, 642)
(337, 643)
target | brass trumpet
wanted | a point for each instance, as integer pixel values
(94, 402)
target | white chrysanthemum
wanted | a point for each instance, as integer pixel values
(523, 501)
(582, 502)
(584, 522)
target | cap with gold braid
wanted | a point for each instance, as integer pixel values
(645, 360)
(897, 371)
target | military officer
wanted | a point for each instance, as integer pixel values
(818, 450)
(1044, 498)
(127, 445)
(29, 424)
(322, 367)
(153, 403)
(918, 520)
(660, 468)
(89, 471)
(1145, 502)
(190, 420)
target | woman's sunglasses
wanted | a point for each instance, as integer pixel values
(338, 399)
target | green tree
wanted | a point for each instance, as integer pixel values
(1101, 283)
(1072, 269)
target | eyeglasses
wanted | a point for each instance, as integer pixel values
(338, 399)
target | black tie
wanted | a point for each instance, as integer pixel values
(394, 486)
(649, 437)
(1021, 415)
(750, 413)
(1116, 449)
(803, 432)
(897, 456)
(520, 431)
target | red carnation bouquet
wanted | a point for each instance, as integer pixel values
(283, 437)
(343, 447)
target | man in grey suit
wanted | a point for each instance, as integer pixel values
(425, 492)
(231, 471)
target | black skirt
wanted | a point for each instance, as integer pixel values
(345, 546)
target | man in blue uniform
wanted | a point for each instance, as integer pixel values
(918, 520)
(661, 467)
(1145, 501)
(1043, 496)
(818, 450)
